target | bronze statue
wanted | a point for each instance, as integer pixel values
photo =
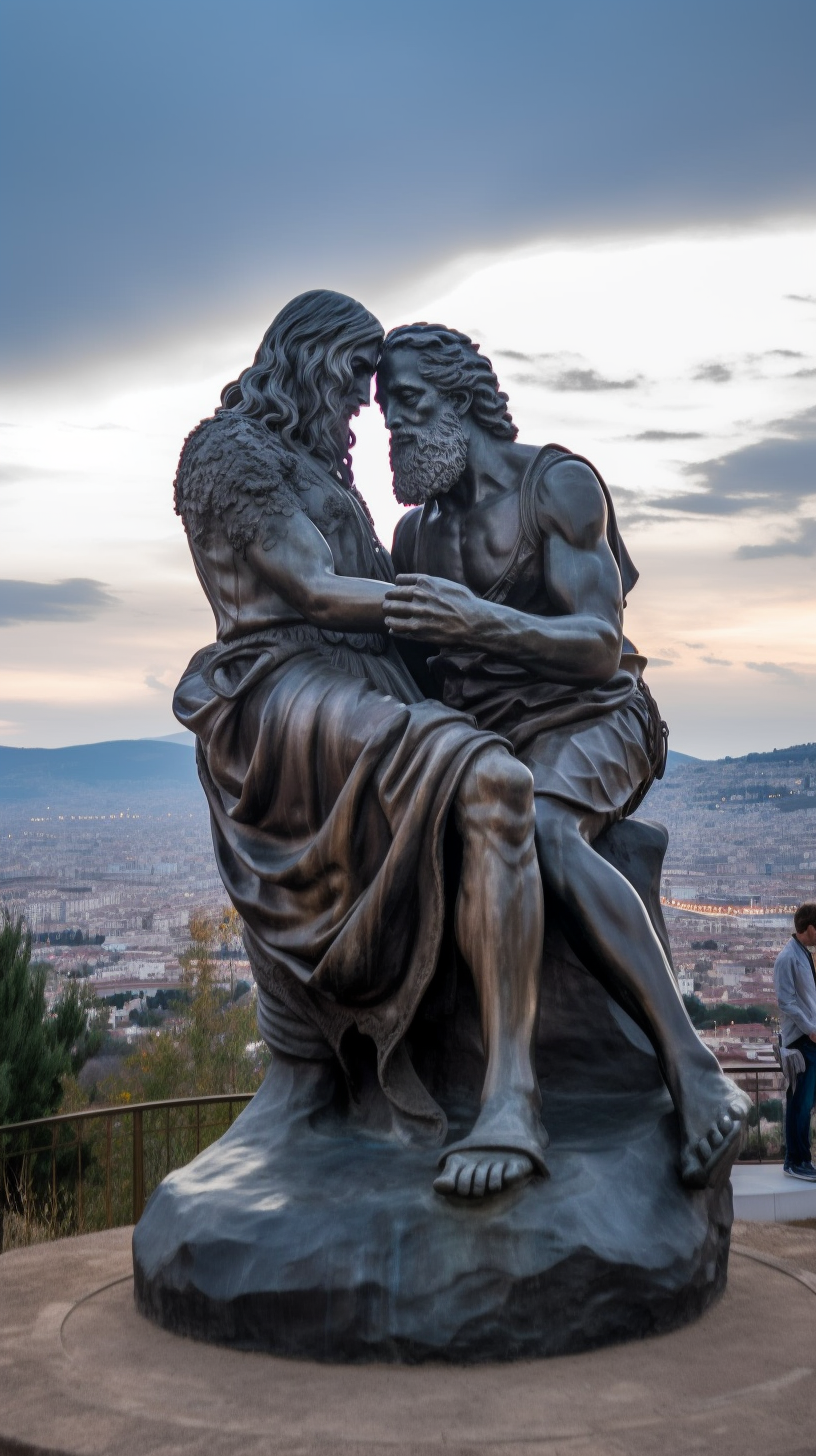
(512, 566)
(329, 777)
(387, 836)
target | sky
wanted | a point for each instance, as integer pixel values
(617, 201)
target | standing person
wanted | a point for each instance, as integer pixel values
(795, 983)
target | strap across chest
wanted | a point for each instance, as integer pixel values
(528, 540)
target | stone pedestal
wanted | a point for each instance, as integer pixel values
(303, 1233)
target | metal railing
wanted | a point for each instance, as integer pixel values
(765, 1138)
(78, 1172)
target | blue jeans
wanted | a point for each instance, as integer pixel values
(799, 1107)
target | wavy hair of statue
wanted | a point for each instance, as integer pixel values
(302, 373)
(453, 364)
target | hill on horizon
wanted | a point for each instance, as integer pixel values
(145, 762)
(679, 760)
(158, 761)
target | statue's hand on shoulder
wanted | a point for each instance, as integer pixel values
(434, 609)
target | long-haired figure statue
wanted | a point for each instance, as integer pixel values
(330, 779)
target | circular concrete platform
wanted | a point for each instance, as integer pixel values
(82, 1373)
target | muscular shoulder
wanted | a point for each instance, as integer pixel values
(570, 502)
(232, 473)
(405, 534)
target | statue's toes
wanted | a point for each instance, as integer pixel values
(447, 1180)
(495, 1181)
(481, 1177)
(464, 1178)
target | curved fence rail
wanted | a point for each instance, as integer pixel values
(83, 1171)
(79, 1172)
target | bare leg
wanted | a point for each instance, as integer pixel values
(609, 922)
(500, 931)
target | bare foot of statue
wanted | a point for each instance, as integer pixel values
(713, 1114)
(473, 1174)
(504, 1149)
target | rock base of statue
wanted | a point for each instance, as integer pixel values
(303, 1232)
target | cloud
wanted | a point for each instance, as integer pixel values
(776, 473)
(657, 436)
(801, 297)
(660, 662)
(802, 544)
(108, 245)
(12, 473)
(784, 353)
(714, 373)
(516, 355)
(76, 599)
(802, 425)
(587, 381)
(668, 652)
(695, 646)
(151, 681)
(563, 372)
(718, 661)
(776, 669)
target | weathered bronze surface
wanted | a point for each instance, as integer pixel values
(390, 851)
(528, 624)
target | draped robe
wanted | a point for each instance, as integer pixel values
(329, 777)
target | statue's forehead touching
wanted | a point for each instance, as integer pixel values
(367, 354)
(400, 365)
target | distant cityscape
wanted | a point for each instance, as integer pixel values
(741, 857)
(107, 872)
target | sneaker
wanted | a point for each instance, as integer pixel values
(805, 1171)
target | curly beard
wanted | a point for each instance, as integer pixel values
(427, 463)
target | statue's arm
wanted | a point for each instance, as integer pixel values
(297, 563)
(581, 644)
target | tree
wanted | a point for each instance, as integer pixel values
(37, 1049)
(698, 1013)
(231, 932)
(213, 1046)
(726, 1015)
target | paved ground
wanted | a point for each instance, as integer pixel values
(794, 1243)
(763, 1192)
(82, 1373)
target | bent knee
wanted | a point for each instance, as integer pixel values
(498, 790)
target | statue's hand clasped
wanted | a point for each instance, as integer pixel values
(433, 609)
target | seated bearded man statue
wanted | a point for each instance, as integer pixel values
(512, 567)
(330, 779)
